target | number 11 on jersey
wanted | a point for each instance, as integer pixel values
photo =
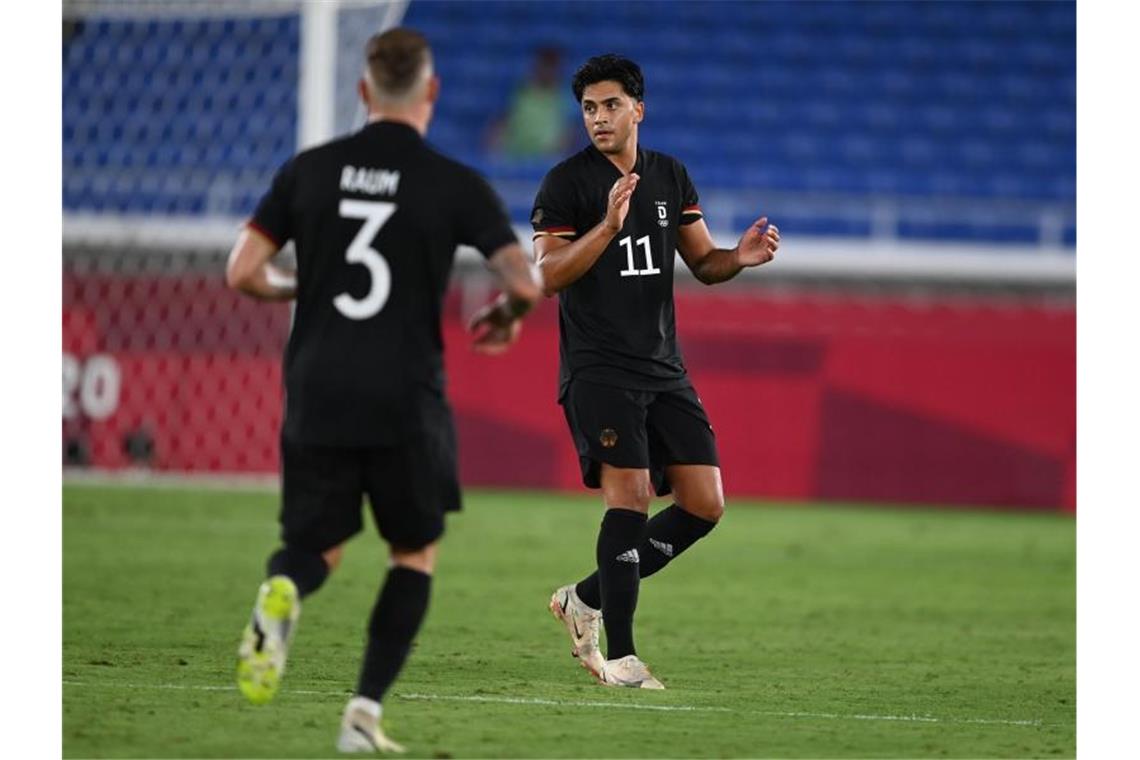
(630, 270)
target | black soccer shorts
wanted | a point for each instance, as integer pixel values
(409, 487)
(637, 429)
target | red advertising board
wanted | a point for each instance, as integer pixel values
(812, 396)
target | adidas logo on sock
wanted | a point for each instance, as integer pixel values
(661, 546)
(629, 556)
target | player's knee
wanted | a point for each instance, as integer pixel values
(333, 556)
(626, 489)
(713, 508)
(633, 497)
(707, 505)
(421, 560)
(698, 490)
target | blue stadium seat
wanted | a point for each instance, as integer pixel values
(881, 98)
(954, 229)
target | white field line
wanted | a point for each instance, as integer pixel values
(687, 708)
(504, 700)
(142, 478)
(559, 702)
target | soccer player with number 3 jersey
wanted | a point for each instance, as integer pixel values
(607, 223)
(375, 218)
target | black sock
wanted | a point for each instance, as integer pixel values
(306, 569)
(670, 532)
(618, 577)
(395, 620)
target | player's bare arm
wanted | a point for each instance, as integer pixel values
(710, 265)
(498, 324)
(562, 262)
(250, 269)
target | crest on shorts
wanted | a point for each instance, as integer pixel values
(608, 438)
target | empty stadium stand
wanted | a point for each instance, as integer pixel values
(939, 105)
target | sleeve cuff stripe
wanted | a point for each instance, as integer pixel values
(557, 230)
(552, 233)
(691, 210)
(263, 232)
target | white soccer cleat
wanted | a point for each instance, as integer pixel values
(582, 623)
(360, 729)
(629, 672)
(265, 641)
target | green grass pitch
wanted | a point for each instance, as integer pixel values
(788, 632)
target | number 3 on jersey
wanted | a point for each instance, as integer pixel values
(360, 251)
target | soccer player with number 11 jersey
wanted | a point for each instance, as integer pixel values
(607, 222)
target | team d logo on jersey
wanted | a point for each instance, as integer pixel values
(662, 214)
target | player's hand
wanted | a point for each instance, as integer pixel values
(758, 244)
(494, 331)
(618, 205)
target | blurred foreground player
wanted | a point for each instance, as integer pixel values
(607, 222)
(376, 218)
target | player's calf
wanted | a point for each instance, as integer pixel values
(619, 576)
(396, 618)
(667, 534)
(307, 569)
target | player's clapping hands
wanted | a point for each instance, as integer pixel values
(758, 244)
(618, 205)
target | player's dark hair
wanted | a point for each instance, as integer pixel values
(610, 67)
(395, 59)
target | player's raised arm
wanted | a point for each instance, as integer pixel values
(563, 262)
(497, 325)
(711, 265)
(250, 270)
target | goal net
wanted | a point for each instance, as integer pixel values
(176, 115)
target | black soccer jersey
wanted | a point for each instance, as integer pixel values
(616, 322)
(376, 218)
